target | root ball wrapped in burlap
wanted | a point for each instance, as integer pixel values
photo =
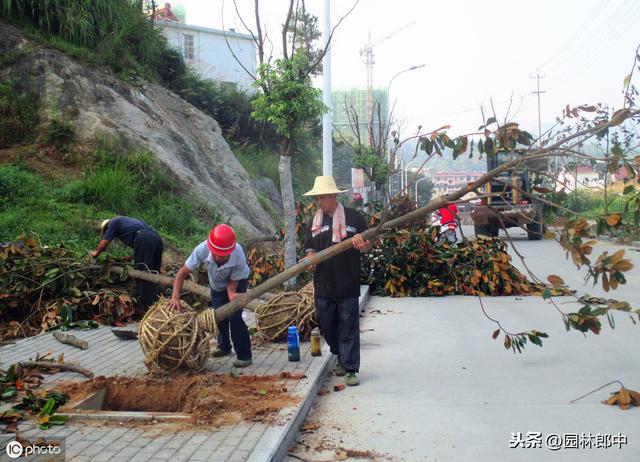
(284, 310)
(174, 340)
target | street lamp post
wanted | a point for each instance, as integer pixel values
(402, 178)
(412, 68)
(406, 173)
(419, 180)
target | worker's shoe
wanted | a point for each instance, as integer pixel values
(351, 379)
(218, 353)
(242, 362)
(339, 369)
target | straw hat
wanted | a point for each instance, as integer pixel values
(324, 185)
(103, 226)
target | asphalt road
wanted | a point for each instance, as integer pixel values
(435, 386)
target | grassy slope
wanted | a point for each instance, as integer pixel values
(58, 205)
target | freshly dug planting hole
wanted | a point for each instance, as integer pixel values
(208, 398)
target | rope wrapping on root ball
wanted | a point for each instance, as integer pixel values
(287, 309)
(172, 340)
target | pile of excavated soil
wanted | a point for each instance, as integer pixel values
(210, 399)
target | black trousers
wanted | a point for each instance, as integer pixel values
(339, 321)
(235, 323)
(147, 256)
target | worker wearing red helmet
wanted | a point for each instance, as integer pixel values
(228, 273)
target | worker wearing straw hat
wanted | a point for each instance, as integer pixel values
(337, 280)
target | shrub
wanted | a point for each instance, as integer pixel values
(111, 188)
(18, 109)
(116, 30)
(15, 183)
(60, 133)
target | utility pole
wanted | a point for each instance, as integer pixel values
(367, 53)
(327, 128)
(538, 93)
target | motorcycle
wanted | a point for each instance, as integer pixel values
(448, 232)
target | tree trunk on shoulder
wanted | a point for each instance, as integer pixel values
(289, 205)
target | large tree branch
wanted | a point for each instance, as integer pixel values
(226, 40)
(285, 31)
(225, 311)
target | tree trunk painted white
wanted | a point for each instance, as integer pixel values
(289, 205)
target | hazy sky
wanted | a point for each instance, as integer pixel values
(474, 50)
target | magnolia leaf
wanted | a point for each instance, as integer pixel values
(619, 116)
(624, 398)
(614, 219)
(555, 280)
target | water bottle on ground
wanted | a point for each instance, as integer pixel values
(293, 343)
(316, 349)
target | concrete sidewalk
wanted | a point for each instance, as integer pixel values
(436, 387)
(244, 441)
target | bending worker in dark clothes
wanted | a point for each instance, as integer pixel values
(147, 252)
(337, 280)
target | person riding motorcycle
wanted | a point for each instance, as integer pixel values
(447, 220)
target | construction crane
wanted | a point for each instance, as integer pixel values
(367, 54)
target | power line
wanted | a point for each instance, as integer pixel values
(595, 40)
(570, 42)
(472, 109)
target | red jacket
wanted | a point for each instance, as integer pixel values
(448, 213)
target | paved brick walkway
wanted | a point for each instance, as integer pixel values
(244, 441)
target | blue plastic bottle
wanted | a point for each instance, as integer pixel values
(293, 343)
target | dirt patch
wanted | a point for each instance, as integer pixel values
(44, 160)
(210, 399)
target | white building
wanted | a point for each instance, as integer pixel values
(206, 51)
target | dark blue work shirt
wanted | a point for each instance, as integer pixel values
(124, 228)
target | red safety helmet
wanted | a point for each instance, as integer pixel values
(222, 240)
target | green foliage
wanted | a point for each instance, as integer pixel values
(16, 184)
(49, 287)
(111, 188)
(18, 113)
(59, 133)
(229, 106)
(425, 190)
(584, 202)
(365, 157)
(303, 30)
(288, 99)
(117, 31)
(407, 262)
(258, 162)
(115, 182)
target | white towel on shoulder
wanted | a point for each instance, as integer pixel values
(339, 231)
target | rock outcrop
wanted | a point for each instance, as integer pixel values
(187, 142)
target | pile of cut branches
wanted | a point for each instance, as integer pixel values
(46, 287)
(408, 263)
